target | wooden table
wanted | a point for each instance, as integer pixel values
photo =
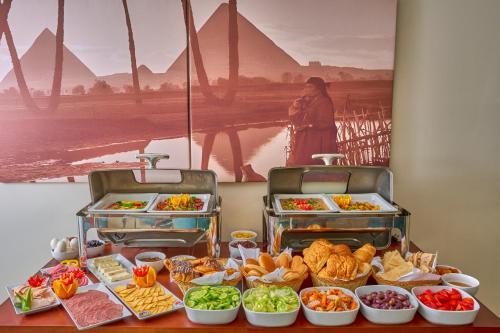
(58, 321)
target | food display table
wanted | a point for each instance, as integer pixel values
(57, 320)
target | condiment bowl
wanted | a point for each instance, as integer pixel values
(442, 317)
(234, 251)
(157, 265)
(332, 318)
(211, 317)
(383, 316)
(454, 269)
(253, 237)
(95, 251)
(472, 282)
(270, 319)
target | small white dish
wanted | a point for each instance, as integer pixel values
(270, 319)
(322, 318)
(455, 269)
(234, 252)
(441, 317)
(95, 251)
(157, 265)
(211, 317)
(250, 232)
(383, 316)
(472, 282)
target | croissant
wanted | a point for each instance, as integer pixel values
(316, 257)
(365, 253)
(342, 266)
(341, 249)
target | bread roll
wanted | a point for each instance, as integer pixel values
(252, 261)
(341, 249)
(297, 261)
(266, 261)
(365, 253)
(283, 260)
(258, 268)
(291, 275)
(254, 272)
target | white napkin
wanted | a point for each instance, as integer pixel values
(415, 275)
(218, 277)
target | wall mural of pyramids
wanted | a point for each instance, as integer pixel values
(88, 84)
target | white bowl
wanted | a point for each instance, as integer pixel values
(448, 266)
(211, 317)
(234, 252)
(467, 279)
(253, 238)
(95, 251)
(333, 318)
(157, 265)
(270, 319)
(442, 317)
(60, 256)
(382, 316)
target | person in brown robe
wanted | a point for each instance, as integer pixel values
(313, 124)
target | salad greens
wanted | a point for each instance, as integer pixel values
(271, 299)
(213, 298)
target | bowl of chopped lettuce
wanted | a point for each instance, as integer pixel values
(271, 306)
(212, 305)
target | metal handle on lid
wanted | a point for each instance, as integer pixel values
(152, 158)
(328, 158)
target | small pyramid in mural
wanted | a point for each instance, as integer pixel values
(38, 66)
(259, 56)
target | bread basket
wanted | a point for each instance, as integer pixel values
(332, 282)
(408, 285)
(295, 284)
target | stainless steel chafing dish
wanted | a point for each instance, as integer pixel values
(297, 231)
(153, 229)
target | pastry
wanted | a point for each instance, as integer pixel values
(258, 268)
(343, 267)
(297, 261)
(423, 261)
(365, 253)
(183, 271)
(341, 249)
(283, 260)
(254, 272)
(322, 243)
(291, 275)
(252, 261)
(316, 257)
(392, 259)
(266, 261)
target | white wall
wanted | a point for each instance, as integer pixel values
(446, 139)
(445, 151)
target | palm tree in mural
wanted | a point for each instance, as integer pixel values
(198, 60)
(133, 61)
(16, 64)
(55, 95)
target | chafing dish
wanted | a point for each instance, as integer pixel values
(152, 228)
(298, 230)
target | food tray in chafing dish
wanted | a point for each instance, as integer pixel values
(119, 203)
(303, 204)
(146, 303)
(361, 203)
(180, 203)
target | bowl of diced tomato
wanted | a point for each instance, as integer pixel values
(446, 305)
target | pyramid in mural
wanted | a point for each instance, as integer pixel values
(38, 66)
(259, 56)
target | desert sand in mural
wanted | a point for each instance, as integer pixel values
(102, 121)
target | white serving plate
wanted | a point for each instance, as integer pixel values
(45, 274)
(381, 316)
(373, 198)
(211, 317)
(121, 259)
(100, 287)
(110, 198)
(332, 206)
(145, 315)
(161, 197)
(10, 292)
(270, 319)
(330, 318)
(442, 317)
